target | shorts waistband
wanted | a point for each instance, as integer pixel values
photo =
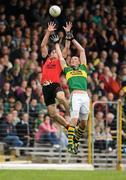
(79, 92)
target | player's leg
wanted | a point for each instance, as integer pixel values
(79, 131)
(49, 97)
(60, 95)
(54, 115)
(83, 116)
(74, 114)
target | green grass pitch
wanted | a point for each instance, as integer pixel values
(61, 175)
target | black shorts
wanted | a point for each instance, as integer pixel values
(50, 92)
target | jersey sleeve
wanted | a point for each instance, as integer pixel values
(66, 69)
(84, 67)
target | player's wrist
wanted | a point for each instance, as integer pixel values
(69, 36)
(48, 31)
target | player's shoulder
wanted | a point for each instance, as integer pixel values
(83, 65)
(67, 68)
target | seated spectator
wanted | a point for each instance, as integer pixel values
(16, 119)
(107, 137)
(111, 107)
(99, 120)
(20, 92)
(41, 105)
(111, 121)
(10, 105)
(6, 92)
(99, 90)
(47, 132)
(111, 85)
(16, 76)
(8, 132)
(19, 108)
(25, 131)
(33, 108)
(99, 141)
(38, 121)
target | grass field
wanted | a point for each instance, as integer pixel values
(61, 175)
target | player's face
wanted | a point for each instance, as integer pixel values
(53, 54)
(74, 62)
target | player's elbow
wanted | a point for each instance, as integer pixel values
(82, 50)
(42, 45)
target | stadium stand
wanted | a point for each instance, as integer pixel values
(100, 26)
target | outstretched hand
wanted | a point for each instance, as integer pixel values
(68, 26)
(55, 38)
(51, 26)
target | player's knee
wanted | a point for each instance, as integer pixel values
(61, 96)
(61, 99)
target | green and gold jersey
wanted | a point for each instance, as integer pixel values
(76, 77)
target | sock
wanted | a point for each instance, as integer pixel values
(78, 134)
(71, 130)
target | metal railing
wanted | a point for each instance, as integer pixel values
(106, 159)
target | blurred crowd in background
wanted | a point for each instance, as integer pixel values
(100, 26)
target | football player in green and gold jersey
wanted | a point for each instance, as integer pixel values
(76, 75)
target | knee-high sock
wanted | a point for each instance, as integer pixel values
(78, 134)
(71, 131)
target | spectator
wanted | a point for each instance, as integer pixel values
(38, 121)
(107, 137)
(25, 131)
(99, 120)
(16, 119)
(99, 26)
(6, 92)
(47, 132)
(99, 141)
(8, 132)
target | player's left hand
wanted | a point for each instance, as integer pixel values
(68, 26)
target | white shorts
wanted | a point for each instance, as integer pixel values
(79, 106)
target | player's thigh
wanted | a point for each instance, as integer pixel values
(74, 106)
(51, 109)
(85, 108)
(60, 95)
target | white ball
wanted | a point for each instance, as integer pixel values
(54, 11)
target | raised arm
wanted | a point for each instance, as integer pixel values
(55, 38)
(44, 49)
(81, 51)
(66, 48)
(67, 29)
(60, 55)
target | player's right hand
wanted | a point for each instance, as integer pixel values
(55, 38)
(68, 27)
